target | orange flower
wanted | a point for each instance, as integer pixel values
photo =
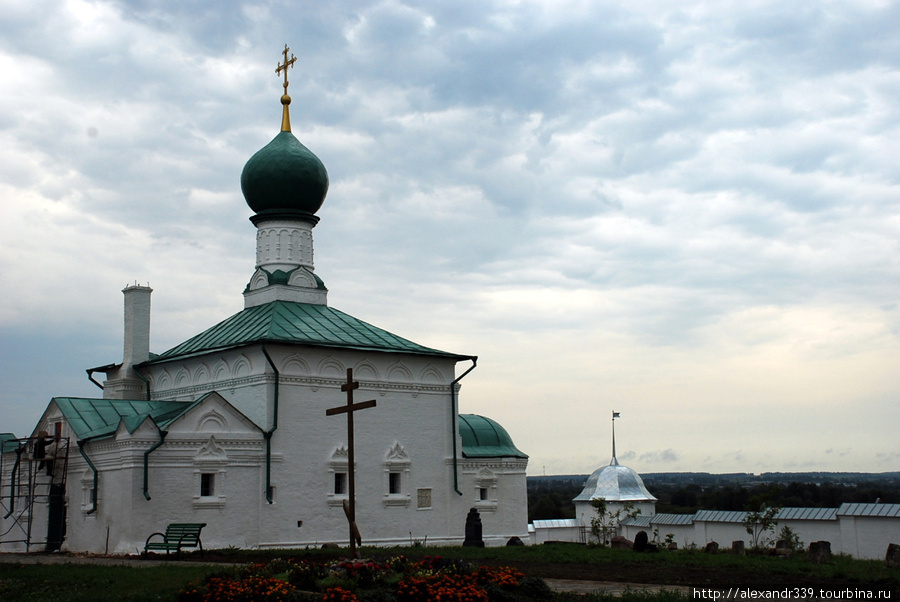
(339, 594)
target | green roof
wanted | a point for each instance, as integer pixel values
(485, 438)
(297, 323)
(8, 442)
(95, 418)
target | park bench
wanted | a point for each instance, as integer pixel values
(177, 536)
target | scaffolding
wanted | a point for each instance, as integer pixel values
(33, 492)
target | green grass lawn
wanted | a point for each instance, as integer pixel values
(840, 567)
(102, 582)
(87, 582)
(606, 561)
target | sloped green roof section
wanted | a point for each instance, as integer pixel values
(298, 323)
(485, 438)
(97, 418)
(8, 442)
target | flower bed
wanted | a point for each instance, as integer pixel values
(395, 579)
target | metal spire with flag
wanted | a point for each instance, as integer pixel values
(614, 460)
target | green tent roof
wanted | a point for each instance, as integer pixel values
(485, 438)
(95, 418)
(298, 323)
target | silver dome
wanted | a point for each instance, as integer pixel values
(615, 483)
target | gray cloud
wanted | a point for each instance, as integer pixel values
(659, 456)
(684, 194)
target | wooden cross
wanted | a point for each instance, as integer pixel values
(284, 67)
(350, 508)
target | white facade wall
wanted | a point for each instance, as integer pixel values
(410, 432)
(12, 510)
(504, 512)
(210, 438)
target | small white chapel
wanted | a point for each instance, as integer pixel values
(862, 530)
(229, 428)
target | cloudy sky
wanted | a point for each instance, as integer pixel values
(687, 212)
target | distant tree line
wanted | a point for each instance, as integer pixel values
(551, 497)
(690, 498)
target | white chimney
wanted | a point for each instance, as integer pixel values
(137, 326)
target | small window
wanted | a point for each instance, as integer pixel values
(340, 483)
(89, 497)
(394, 486)
(483, 494)
(207, 484)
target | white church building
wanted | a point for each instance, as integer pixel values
(229, 428)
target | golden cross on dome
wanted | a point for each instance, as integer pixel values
(285, 99)
(284, 67)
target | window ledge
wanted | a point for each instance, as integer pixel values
(486, 506)
(395, 500)
(209, 502)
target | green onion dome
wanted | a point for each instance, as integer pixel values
(284, 179)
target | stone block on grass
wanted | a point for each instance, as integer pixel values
(892, 557)
(819, 552)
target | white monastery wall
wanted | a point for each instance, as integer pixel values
(868, 536)
(723, 533)
(859, 536)
(543, 531)
(816, 530)
(683, 535)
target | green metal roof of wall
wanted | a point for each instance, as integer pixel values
(297, 323)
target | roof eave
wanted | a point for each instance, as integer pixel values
(106, 368)
(182, 356)
(488, 455)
